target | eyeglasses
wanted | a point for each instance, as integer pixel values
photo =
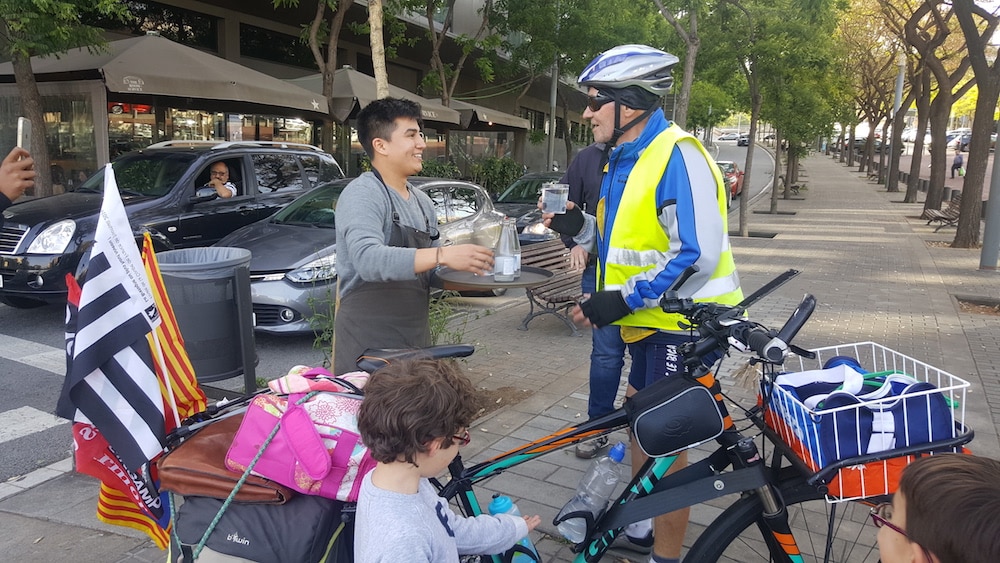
(881, 514)
(463, 439)
(595, 103)
(219, 173)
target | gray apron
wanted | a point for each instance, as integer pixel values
(385, 314)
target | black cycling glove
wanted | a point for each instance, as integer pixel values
(605, 307)
(569, 223)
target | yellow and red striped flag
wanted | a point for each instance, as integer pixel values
(189, 397)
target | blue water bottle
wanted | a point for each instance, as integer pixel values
(504, 505)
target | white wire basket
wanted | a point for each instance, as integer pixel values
(857, 432)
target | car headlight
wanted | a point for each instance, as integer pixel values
(539, 228)
(54, 239)
(319, 270)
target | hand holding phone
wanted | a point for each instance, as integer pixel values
(24, 133)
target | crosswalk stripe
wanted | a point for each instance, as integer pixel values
(23, 421)
(33, 354)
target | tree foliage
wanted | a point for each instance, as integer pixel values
(46, 27)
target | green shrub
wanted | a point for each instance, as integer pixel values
(495, 174)
(436, 169)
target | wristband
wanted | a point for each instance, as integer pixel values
(569, 223)
(438, 257)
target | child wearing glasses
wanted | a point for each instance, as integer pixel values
(945, 511)
(414, 418)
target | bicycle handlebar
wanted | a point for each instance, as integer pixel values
(720, 326)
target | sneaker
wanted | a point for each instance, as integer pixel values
(590, 448)
(626, 542)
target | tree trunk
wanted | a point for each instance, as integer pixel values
(777, 171)
(378, 48)
(892, 184)
(970, 212)
(923, 113)
(786, 191)
(940, 107)
(756, 100)
(31, 107)
(849, 147)
(684, 96)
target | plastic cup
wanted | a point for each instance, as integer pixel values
(554, 198)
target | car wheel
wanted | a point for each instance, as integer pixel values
(22, 302)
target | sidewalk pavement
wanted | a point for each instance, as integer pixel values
(865, 256)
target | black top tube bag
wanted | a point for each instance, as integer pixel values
(673, 414)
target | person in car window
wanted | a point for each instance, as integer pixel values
(387, 241)
(219, 180)
(661, 210)
(17, 174)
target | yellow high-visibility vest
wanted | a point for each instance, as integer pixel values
(637, 239)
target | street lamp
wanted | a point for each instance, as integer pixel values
(897, 101)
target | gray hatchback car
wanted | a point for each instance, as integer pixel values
(293, 267)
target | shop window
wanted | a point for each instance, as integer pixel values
(292, 130)
(69, 138)
(190, 125)
(271, 45)
(277, 172)
(188, 27)
(130, 127)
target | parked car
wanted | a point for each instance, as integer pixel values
(743, 141)
(733, 175)
(769, 137)
(728, 137)
(44, 239)
(293, 264)
(520, 200)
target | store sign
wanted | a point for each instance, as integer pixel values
(133, 83)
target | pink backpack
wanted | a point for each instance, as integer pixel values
(308, 442)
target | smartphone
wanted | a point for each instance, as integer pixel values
(24, 133)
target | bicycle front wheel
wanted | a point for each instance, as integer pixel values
(824, 532)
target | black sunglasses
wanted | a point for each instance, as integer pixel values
(595, 103)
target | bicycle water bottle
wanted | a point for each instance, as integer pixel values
(507, 254)
(504, 505)
(593, 492)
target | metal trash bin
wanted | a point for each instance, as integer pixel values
(209, 289)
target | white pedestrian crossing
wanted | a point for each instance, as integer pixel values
(33, 354)
(23, 421)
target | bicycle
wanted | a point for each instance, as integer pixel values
(780, 500)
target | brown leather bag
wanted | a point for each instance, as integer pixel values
(198, 468)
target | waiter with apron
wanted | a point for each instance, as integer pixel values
(387, 241)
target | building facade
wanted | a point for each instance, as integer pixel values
(88, 125)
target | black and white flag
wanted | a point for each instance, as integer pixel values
(110, 380)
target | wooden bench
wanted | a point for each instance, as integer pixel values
(557, 295)
(947, 217)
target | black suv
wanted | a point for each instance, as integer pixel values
(162, 187)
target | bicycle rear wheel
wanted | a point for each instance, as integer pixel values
(739, 534)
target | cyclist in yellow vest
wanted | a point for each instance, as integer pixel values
(662, 208)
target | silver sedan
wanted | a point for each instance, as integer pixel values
(293, 268)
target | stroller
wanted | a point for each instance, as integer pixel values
(261, 521)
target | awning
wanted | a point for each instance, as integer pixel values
(353, 90)
(156, 65)
(479, 118)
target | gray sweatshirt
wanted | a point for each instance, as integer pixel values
(364, 224)
(393, 527)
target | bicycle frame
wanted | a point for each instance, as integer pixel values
(650, 493)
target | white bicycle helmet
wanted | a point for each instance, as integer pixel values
(630, 65)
